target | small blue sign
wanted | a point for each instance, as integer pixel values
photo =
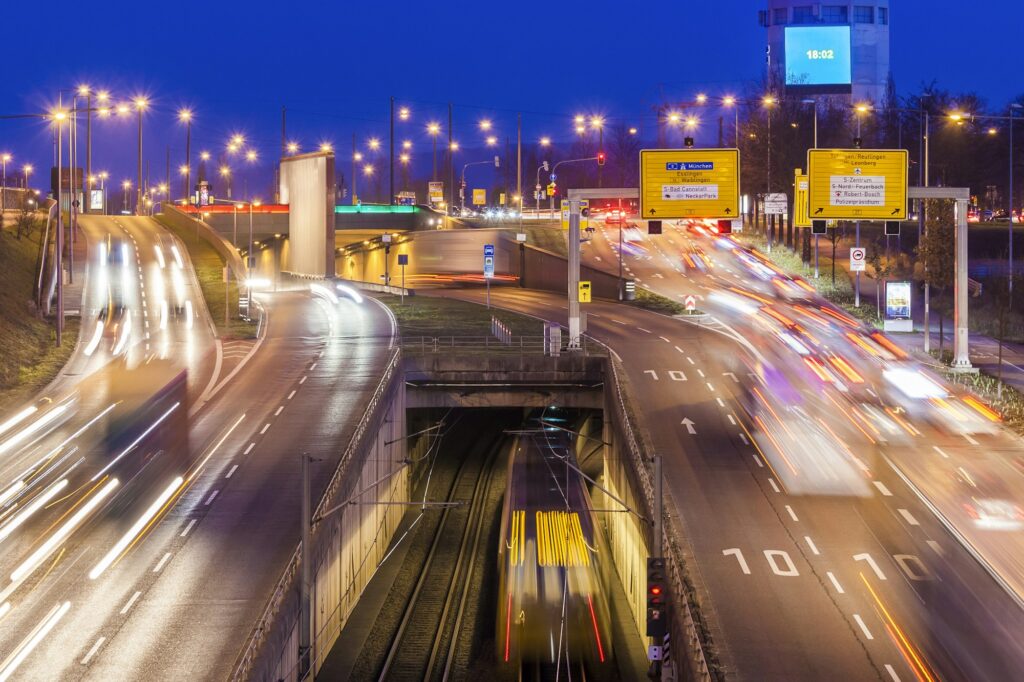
(553, 177)
(488, 249)
(690, 165)
(488, 267)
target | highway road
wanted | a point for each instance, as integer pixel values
(795, 586)
(161, 575)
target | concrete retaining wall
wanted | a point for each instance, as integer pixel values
(184, 221)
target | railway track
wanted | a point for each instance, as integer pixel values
(425, 643)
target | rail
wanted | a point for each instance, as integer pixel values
(682, 592)
(507, 345)
(258, 635)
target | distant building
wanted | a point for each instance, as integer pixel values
(832, 49)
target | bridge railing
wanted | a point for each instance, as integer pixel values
(506, 345)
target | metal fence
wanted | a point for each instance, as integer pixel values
(507, 345)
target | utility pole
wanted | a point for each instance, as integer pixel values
(59, 245)
(451, 162)
(519, 165)
(574, 275)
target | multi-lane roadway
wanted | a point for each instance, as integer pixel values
(161, 574)
(812, 556)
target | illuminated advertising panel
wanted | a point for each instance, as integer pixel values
(818, 59)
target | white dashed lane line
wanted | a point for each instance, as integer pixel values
(188, 528)
(131, 602)
(863, 627)
(160, 564)
(249, 449)
(93, 650)
(909, 517)
(835, 583)
(212, 497)
(233, 469)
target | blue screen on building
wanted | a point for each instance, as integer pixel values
(818, 58)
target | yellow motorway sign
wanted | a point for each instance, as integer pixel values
(857, 184)
(689, 183)
(584, 291)
(479, 197)
(801, 216)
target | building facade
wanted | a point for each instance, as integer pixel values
(868, 47)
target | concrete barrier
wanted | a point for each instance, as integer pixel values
(184, 221)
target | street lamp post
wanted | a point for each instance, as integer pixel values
(185, 115)
(140, 105)
(730, 101)
(542, 166)
(4, 158)
(27, 168)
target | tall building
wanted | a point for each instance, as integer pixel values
(828, 49)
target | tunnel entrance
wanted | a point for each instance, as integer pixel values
(500, 568)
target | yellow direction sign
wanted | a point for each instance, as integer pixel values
(479, 197)
(689, 183)
(857, 184)
(584, 292)
(801, 215)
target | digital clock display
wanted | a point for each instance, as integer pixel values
(817, 58)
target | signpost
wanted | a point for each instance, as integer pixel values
(691, 303)
(584, 214)
(479, 197)
(857, 184)
(584, 291)
(689, 183)
(801, 216)
(857, 258)
(435, 191)
(776, 204)
(488, 269)
(403, 260)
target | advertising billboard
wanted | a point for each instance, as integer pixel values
(897, 307)
(818, 59)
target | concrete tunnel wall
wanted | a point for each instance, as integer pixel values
(460, 252)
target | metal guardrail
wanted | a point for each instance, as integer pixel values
(694, 641)
(511, 345)
(258, 635)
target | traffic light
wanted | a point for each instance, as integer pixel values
(653, 227)
(688, 142)
(857, 142)
(657, 604)
(600, 158)
(892, 228)
(725, 227)
(552, 188)
(819, 227)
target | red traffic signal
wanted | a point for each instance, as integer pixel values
(600, 158)
(657, 615)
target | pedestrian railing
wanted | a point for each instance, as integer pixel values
(505, 345)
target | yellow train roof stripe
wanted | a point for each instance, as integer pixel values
(560, 540)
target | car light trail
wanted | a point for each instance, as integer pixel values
(55, 540)
(18, 418)
(177, 257)
(34, 427)
(159, 255)
(94, 342)
(126, 332)
(121, 544)
(32, 508)
(38, 634)
(188, 314)
(11, 492)
(323, 292)
(136, 441)
(350, 292)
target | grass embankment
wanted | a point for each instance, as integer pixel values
(648, 300)
(209, 267)
(30, 359)
(840, 293)
(435, 317)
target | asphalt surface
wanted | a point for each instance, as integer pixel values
(795, 586)
(178, 602)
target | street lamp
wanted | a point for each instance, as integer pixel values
(730, 101)
(768, 101)
(434, 129)
(103, 175)
(491, 140)
(485, 125)
(293, 147)
(545, 141)
(141, 103)
(27, 169)
(326, 147)
(185, 116)
(125, 186)
(597, 122)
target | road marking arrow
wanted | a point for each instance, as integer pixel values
(688, 423)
